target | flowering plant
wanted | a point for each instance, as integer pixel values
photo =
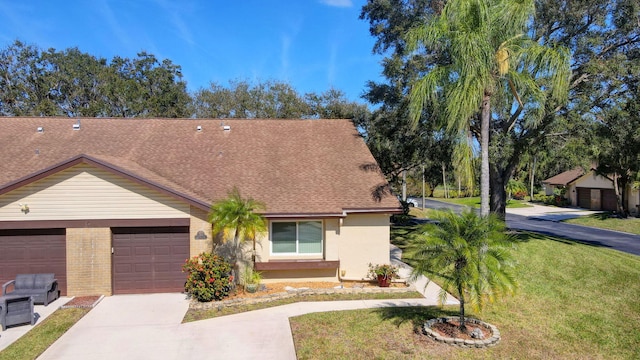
(209, 277)
(384, 270)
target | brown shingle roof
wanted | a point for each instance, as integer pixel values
(294, 166)
(565, 177)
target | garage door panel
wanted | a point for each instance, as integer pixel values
(28, 251)
(143, 250)
(154, 257)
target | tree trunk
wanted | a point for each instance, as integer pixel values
(532, 177)
(463, 326)
(444, 181)
(423, 200)
(498, 194)
(619, 196)
(404, 185)
(484, 151)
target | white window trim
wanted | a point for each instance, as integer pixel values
(297, 254)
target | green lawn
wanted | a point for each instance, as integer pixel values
(475, 202)
(36, 341)
(603, 221)
(575, 302)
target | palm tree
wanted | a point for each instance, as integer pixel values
(469, 255)
(487, 59)
(236, 218)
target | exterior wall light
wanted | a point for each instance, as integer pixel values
(24, 208)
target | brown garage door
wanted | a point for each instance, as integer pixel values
(584, 198)
(149, 260)
(30, 251)
(609, 200)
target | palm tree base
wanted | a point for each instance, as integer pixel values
(447, 331)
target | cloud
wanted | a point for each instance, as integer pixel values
(284, 55)
(174, 12)
(112, 21)
(338, 3)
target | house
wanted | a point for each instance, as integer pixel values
(590, 191)
(116, 206)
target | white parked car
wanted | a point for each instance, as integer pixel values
(411, 201)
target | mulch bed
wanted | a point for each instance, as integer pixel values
(273, 288)
(451, 329)
(83, 302)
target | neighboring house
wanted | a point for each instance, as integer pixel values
(590, 190)
(116, 206)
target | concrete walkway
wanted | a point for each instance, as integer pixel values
(41, 312)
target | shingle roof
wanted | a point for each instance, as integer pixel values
(565, 177)
(293, 166)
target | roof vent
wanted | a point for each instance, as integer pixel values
(226, 128)
(76, 126)
(40, 129)
(198, 128)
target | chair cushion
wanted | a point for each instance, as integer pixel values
(24, 281)
(42, 280)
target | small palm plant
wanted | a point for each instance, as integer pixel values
(237, 219)
(469, 255)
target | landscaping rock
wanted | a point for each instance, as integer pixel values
(477, 334)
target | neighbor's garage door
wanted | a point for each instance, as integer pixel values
(31, 251)
(609, 200)
(584, 198)
(149, 260)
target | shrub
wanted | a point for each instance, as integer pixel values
(519, 195)
(209, 277)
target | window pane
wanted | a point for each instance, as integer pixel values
(310, 237)
(283, 236)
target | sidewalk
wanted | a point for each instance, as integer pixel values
(429, 289)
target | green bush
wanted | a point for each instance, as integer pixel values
(209, 277)
(557, 200)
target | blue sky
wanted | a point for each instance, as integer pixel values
(312, 44)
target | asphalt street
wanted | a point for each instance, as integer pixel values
(625, 242)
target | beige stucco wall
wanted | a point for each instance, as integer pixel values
(356, 241)
(88, 261)
(363, 239)
(85, 192)
(633, 200)
(572, 194)
(591, 180)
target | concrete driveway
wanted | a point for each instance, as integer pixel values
(148, 327)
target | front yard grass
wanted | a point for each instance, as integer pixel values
(36, 341)
(575, 301)
(603, 221)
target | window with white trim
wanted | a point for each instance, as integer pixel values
(296, 237)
